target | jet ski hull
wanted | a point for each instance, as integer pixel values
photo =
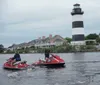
(53, 65)
(54, 61)
(19, 66)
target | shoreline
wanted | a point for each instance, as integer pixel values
(56, 52)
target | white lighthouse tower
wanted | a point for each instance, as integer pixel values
(77, 26)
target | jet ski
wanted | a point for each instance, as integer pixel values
(21, 65)
(53, 61)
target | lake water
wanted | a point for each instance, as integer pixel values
(81, 69)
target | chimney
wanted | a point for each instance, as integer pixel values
(50, 36)
(43, 37)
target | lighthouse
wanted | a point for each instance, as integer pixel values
(77, 26)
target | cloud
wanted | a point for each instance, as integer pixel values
(25, 20)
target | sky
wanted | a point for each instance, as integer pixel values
(26, 20)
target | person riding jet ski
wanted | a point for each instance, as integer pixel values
(47, 53)
(16, 58)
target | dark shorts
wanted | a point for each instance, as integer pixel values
(18, 59)
(46, 55)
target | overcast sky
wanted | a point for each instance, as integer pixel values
(26, 20)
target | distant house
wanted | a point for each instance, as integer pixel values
(13, 47)
(17, 46)
(50, 41)
(90, 42)
(41, 42)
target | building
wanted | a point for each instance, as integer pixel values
(43, 42)
(51, 41)
(77, 26)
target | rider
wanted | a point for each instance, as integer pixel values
(16, 58)
(47, 53)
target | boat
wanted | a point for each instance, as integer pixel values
(21, 65)
(53, 61)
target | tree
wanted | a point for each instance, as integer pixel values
(98, 40)
(91, 36)
(1, 48)
(68, 39)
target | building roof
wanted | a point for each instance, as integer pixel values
(76, 4)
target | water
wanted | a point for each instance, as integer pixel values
(81, 69)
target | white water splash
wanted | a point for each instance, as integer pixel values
(13, 75)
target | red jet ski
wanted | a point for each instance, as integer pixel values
(53, 61)
(16, 66)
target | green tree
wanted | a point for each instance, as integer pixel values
(27, 50)
(68, 39)
(98, 40)
(1, 48)
(91, 36)
(32, 47)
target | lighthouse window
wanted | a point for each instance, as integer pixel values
(77, 24)
(76, 7)
(78, 10)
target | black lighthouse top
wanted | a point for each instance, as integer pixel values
(77, 10)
